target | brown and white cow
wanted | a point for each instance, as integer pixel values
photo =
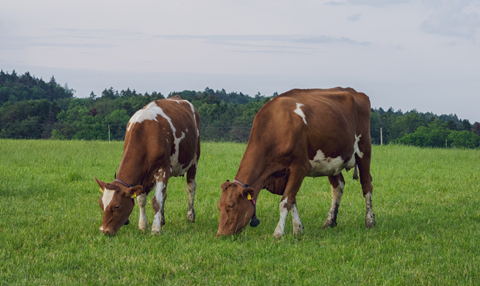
(315, 132)
(162, 140)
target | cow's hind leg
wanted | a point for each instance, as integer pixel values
(338, 183)
(191, 187)
(158, 203)
(142, 222)
(366, 181)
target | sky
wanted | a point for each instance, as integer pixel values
(405, 54)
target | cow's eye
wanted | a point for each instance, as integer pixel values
(231, 206)
(117, 206)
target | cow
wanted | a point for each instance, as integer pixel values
(303, 132)
(162, 140)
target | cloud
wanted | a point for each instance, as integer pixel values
(334, 3)
(354, 17)
(327, 39)
(449, 19)
(227, 39)
(377, 3)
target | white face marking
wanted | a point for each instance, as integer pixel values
(107, 197)
(299, 111)
(322, 166)
(280, 229)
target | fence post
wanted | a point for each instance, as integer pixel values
(381, 136)
(109, 133)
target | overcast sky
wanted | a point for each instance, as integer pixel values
(404, 54)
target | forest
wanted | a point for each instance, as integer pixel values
(31, 108)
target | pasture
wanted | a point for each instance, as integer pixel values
(426, 204)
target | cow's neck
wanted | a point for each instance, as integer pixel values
(252, 175)
(132, 171)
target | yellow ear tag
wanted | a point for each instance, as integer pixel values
(100, 189)
(134, 195)
(249, 197)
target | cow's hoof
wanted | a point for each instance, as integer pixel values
(277, 235)
(329, 223)
(370, 221)
(191, 216)
(143, 225)
(162, 222)
(254, 222)
(298, 229)
(156, 231)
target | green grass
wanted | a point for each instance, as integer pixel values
(426, 203)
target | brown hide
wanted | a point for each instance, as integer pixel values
(283, 144)
(150, 146)
(235, 209)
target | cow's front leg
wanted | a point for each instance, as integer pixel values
(158, 203)
(288, 201)
(337, 183)
(297, 223)
(142, 222)
(280, 229)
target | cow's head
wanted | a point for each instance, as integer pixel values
(117, 205)
(236, 208)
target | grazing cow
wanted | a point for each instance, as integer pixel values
(162, 140)
(316, 132)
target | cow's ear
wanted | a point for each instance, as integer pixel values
(101, 184)
(247, 193)
(134, 191)
(226, 185)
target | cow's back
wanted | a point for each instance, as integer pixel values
(164, 132)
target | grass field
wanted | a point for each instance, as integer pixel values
(426, 203)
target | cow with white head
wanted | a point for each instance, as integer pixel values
(162, 140)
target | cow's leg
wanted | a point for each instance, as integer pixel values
(191, 187)
(158, 202)
(337, 182)
(142, 201)
(297, 223)
(366, 181)
(288, 199)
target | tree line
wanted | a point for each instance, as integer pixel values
(35, 109)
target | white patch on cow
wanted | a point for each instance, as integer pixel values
(156, 227)
(107, 197)
(177, 168)
(194, 117)
(297, 223)
(142, 201)
(280, 229)
(322, 166)
(355, 146)
(101, 228)
(352, 162)
(299, 111)
(150, 112)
